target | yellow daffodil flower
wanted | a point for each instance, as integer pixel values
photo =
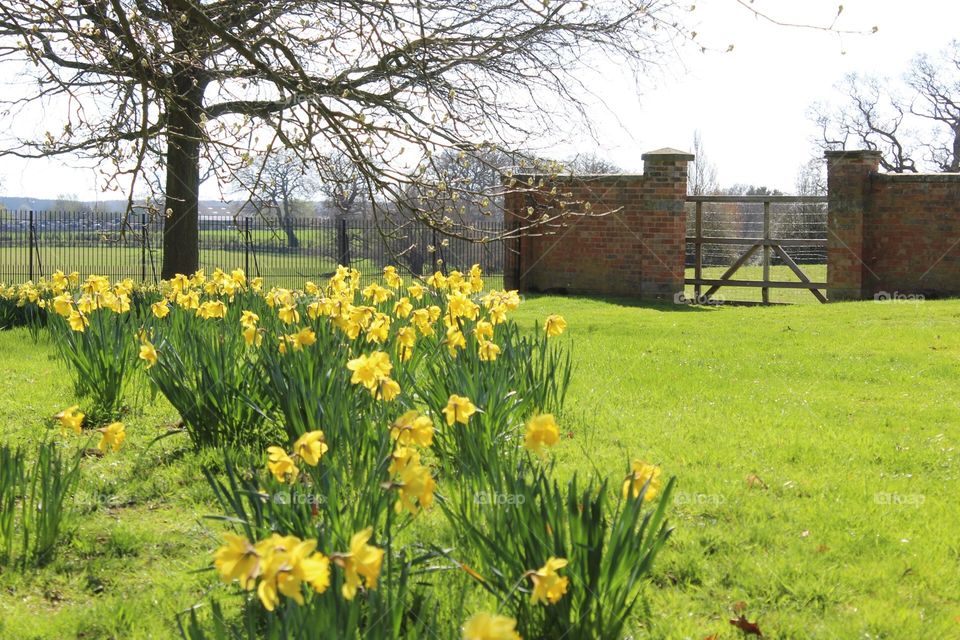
(361, 561)
(542, 431)
(415, 489)
(281, 465)
(369, 370)
(548, 585)
(78, 322)
(237, 560)
(554, 325)
(289, 314)
(249, 319)
(458, 409)
(303, 338)
(148, 353)
(310, 447)
(640, 473)
(412, 428)
(71, 419)
(112, 435)
(488, 351)
(487, 626)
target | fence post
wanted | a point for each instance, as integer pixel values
(246, 246)
(143, 246)
(343, 243)
(32, 242)
(436, 253)
(765, 291)
(698, 252)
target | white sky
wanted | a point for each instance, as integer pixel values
(749, 105)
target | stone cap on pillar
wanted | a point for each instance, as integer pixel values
(667, 154)
(853, 154)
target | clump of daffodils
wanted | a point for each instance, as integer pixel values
(282, 565)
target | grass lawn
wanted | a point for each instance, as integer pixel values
(816, 448)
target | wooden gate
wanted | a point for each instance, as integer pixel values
(786, 225)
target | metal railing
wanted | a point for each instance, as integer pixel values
(34, 244)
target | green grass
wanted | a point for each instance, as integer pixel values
(816, 449)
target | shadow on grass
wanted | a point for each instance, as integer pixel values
(665, 306)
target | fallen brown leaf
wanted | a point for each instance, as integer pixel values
(746, 626)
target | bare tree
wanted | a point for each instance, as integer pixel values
(872, 118)
(702, 178)
(590, 164)
(936, 83)
(914, 122)
(275, 183)
(343, 185)
(195, 87)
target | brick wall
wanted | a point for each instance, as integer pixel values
(611, 235)
(893, 234)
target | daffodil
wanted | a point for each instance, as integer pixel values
(554, 325)
(402, 308)
(379, 329)
(376, 293)
(78, 322)
(455, 340)
(63, 305)
(288, 563)
(401, 458)
(548, 585)
(112, 435)
(370, 370)
(361, 561)
(415, 291)
(412, 428)
(389, 389)
(160, 309)
(249, 319)
(488, 626)
(437, 281)
(212, 309)
(237, 560)
(459, 409)
(415, 488)
(460, 306)
(488, 351)
(148, 353)
(310, 447)
(421, 318)
(252, 336)
(289, 314)
(406, 339)
(281, 465)
(303, 338)
(70, 419)
(391, 277)
(640, 474)
(483, 330)
(542, 431)
(188, 300)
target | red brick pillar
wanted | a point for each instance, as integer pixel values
(664, 223)
(848, 187)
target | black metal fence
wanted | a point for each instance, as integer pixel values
(37, 243)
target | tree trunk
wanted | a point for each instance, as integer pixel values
(181, 248)
(286, 221)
